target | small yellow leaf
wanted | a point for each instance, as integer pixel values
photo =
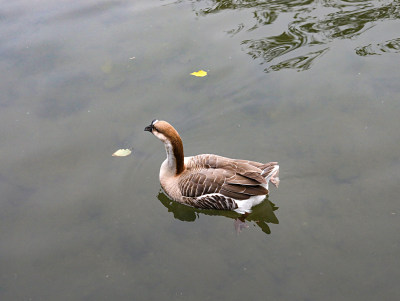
(199, 73)
(122, 153)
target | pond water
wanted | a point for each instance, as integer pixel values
(311, 84)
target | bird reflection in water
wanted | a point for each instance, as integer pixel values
(261, 215)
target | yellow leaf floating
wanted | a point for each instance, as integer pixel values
(200, 73)
(122, 153)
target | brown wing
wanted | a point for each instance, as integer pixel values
(212, 201)
(248, 169)
(207, 174)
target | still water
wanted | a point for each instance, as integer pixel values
(311, 84)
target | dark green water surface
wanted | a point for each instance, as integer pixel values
(314, 85)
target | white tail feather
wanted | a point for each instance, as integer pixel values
(272, 174)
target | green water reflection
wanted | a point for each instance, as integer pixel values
(261, 215)
(313, 26)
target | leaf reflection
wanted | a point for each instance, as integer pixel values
(262, 214)
(299, 63)
(391, 46)
(272, 47)
(312, 25)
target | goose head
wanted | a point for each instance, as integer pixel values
(172, 142)
(162, 130)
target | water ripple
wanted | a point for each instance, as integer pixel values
(299, 63)
(313, 24)
(271, 47)
(391, 46)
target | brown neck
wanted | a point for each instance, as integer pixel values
(178, 153)
(175, 156)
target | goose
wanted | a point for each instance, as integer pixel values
(210, 181)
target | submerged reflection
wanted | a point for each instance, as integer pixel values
(391, 46)
(262, 214)
(311, 27)
(299, 63)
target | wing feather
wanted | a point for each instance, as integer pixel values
(212, 201)
(210, 174)
(215, 182)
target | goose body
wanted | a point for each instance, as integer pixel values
(210, 181)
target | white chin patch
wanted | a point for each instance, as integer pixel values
(160, 136)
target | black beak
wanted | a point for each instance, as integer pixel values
(149, 128)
